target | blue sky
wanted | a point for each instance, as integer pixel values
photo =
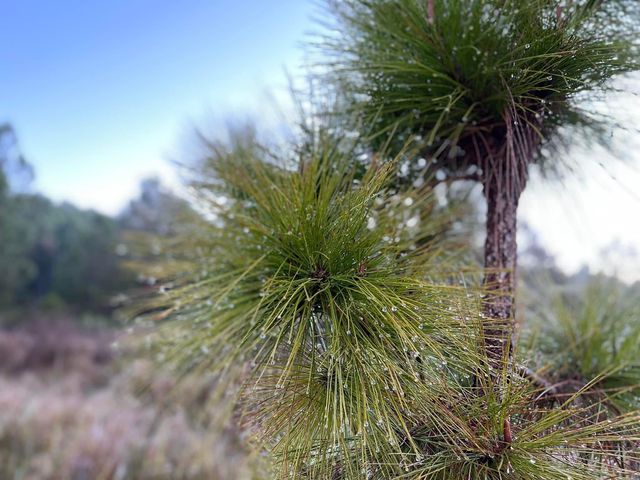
(103, 92)
(100, 92)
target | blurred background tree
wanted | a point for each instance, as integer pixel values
(58, 256)
(156, 210)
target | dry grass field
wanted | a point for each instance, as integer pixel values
(73, 409)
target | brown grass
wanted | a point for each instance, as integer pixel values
(69, 410)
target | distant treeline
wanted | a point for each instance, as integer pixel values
(58, 256)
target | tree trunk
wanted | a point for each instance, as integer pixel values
(500, 256)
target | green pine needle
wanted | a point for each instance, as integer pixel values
(462, 80)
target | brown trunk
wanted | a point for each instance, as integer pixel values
(500, 258)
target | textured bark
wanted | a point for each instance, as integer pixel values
(500, 257)
(505, 161)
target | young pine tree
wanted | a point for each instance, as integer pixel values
(329, 294)
(315, 287)
(481, 85)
